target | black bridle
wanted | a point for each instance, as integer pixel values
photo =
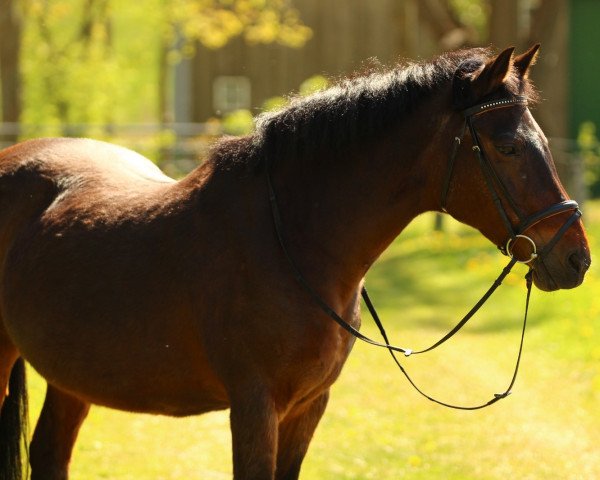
(498, 191)
(497, 188)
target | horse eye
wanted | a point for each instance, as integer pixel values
(509, 150)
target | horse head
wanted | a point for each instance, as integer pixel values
(502, 178)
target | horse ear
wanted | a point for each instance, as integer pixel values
(473, 79)
(493, 74)
(524, 61)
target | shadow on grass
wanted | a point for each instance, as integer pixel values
(436, 280)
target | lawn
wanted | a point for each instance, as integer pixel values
(376, 426)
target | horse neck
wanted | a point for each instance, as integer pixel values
(340, 214)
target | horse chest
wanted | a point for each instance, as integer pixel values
(317, 364)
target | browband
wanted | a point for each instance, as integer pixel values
(505, 102)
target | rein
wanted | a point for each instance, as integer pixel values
(493, 183)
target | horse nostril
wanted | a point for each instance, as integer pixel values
(578, 263)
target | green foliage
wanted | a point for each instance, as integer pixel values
(84, 64)
(238, 122)
(473, 13)
(274, 103)
(310, 85)
(241, 122)
(313, 84)
(100, 61)
(215, 22)
(589, 149)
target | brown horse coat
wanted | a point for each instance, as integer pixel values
(126, 289)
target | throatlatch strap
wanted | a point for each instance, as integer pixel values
(446, 186)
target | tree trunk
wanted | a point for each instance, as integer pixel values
(505, 23)
(447, 30)
(165, 107)
(550, 27)
(10, 75)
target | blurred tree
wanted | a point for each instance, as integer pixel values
(69, 71)
(81, 57)
(451, 24)
(473, 13)
(589, 147)
(448, 28)
(10, 44)
(505, 23)
(213, 23)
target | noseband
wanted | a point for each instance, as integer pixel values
(496, 188)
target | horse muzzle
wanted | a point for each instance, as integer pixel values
(561, 270)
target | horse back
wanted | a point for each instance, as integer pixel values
(92, 283)
(135, 277)
(50, 187)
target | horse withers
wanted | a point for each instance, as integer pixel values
(124, 288)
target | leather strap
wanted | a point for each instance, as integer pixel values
(460, 324)
(555, 209)
(497, 396)
(494, 104)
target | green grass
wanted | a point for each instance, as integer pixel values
(376, 426)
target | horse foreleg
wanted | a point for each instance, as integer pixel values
(254, 436)
(295, 434)
(55, 435)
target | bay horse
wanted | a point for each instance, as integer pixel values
(127, 289)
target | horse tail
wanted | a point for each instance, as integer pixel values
(14, 432)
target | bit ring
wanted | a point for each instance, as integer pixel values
(534, 254)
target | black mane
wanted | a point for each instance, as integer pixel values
(338, 118)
